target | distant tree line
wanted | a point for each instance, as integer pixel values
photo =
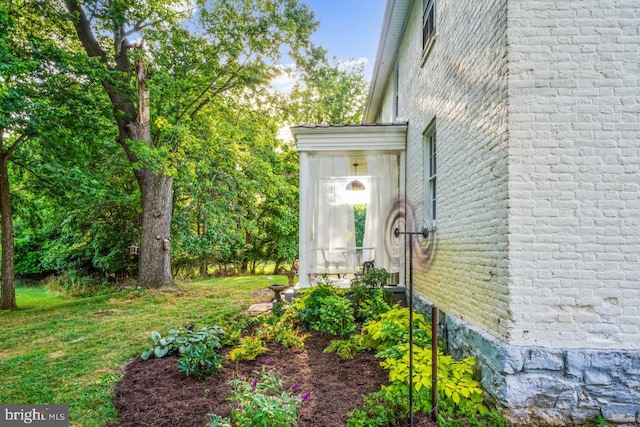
(153, 124)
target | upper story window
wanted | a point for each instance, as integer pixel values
(428, 24)
(430, 174)
(396, 89)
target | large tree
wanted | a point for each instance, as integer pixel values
(40, 84)
(185, 54)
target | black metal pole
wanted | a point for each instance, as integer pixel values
(411, 331)
(425, 234)
(434, 363)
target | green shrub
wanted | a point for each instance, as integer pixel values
(345, 349)
(374, 305)
(200, 362)
(310, 301)
(248, 349)
(280, 326)
(325, 309)
(263, 401)
(335, 316)
(392, 330)
(180, 341)
(76, 285)
(384, 408)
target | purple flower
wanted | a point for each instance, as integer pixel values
(278, 368)
(304, 396)
(240, 407)
(254, 384)
(268, 362)
(295, 385)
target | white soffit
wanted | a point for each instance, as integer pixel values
(342, 138)
(393, 25)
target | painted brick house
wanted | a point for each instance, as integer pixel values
(525, 116)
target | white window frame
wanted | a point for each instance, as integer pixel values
(428, 27)
(430, 174)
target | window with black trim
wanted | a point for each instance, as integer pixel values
(430, 173)
(428, 24)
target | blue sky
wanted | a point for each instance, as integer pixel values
(349, 29)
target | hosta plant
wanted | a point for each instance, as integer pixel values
(179, 341)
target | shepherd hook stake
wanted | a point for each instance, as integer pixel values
(424, 233)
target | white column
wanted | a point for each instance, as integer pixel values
(303, 244)
(403, 197)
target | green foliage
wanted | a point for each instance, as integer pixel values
(391, 331)
(325, 309)
(457, 388)
(200, 361)
(328, 92)
(384, 408)
(218, 421)
(181, 341)
(368, 298)
(599, 421)
(450, 416)
(311, 300)
(375, 277)
(280, 325)
(345, 349)
(335, 316)
(248, 349)
(263, 401)
(456, 385)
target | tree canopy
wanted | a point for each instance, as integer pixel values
(153, 124)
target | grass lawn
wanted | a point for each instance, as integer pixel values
(71, 351)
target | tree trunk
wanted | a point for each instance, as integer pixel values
(204, 265)
(8, 297)
(154, 270)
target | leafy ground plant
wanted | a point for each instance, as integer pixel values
(263, 401)
(248, 349)
(200, 361)
(181, 341)
(383, 408)
(324, 308)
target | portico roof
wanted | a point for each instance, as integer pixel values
(351, 137)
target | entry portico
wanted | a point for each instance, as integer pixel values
(347, 172)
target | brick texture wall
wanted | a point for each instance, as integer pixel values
(574, 167)
(462, 84)
(537, 110)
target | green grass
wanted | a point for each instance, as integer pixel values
(72, 351)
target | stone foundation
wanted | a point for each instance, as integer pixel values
(536, 386)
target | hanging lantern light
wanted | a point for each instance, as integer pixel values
(355, 184)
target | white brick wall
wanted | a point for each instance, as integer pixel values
(464, 88)
(574, 166)
(538, 231)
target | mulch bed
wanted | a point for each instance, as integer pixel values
(154, 393)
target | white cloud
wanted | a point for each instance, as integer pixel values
(352, 63)
(285, 80)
